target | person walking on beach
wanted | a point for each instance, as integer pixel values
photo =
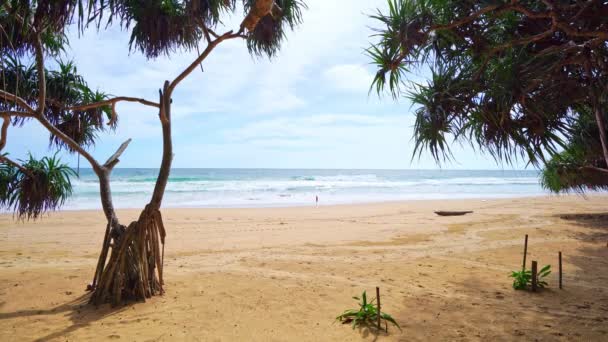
(317, 200)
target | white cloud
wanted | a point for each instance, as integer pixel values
(318, 130)
(232, 81)
(349, 77)
(308, 107)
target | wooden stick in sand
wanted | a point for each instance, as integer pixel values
(560, 271)
(525, 252)
(534, 276)
(378, 300)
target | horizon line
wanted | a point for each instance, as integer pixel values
(305, 168)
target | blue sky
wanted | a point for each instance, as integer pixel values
(307, 108)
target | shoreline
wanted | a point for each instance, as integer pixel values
(350, 204)
(252, 188)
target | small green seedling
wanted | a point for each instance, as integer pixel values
(367, 315)
(522, 280)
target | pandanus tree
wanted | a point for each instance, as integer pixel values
(519, 79)
(130, 265)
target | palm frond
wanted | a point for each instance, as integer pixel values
(45, 187)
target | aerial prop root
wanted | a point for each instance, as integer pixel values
(134, 270)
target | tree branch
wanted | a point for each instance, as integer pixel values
(41, 74)
(205, 30)
(600, 125)
(17, 114)
(463, 21)
(556, 25)
(575, 33)
(520, 41)
(16, 99)
(529, 13)
(4, 131)
(583, 10)
(112, 102)
(7, 160)
(468, 19)
(599, 169)
(200, 59)
(215, 35)
(113, 160)
(71, 143)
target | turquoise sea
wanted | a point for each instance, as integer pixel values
(132, 188)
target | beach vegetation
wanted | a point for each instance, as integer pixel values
(523, 81)
(366, 315)
(522, 280)
(35, 186)
(37, 84)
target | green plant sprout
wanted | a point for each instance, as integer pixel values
(522, 280)
(366, 315)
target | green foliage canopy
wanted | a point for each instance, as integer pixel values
(517, 79)
(157, 26)
(65, 90)
(35, 187)
(62, 101)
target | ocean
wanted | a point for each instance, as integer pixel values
(132, 188)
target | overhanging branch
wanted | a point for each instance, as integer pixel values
(70, 142)
(112, 102)
(557, 24)
(16, 114)
(5, 95)
(7, 160)
(470, 18)
(201, 58)
(598, 169)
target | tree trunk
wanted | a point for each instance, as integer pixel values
(165, 166)
(113, 225)
(134, 270)
(600, 124)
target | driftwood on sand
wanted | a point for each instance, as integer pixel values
(452, 213)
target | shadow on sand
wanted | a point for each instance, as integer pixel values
(80, 313)
(597, 223)
(483, 305)
(373, 332)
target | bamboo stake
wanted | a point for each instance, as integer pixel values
(560, 270)
(378, 300)
(525, 252)
(534, 276)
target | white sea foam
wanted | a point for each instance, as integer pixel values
(245, 188)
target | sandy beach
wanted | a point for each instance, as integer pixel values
(278, 274)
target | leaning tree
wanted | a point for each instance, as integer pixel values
(514, 78)
(130, 265)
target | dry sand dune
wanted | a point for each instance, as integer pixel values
(284, 274)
